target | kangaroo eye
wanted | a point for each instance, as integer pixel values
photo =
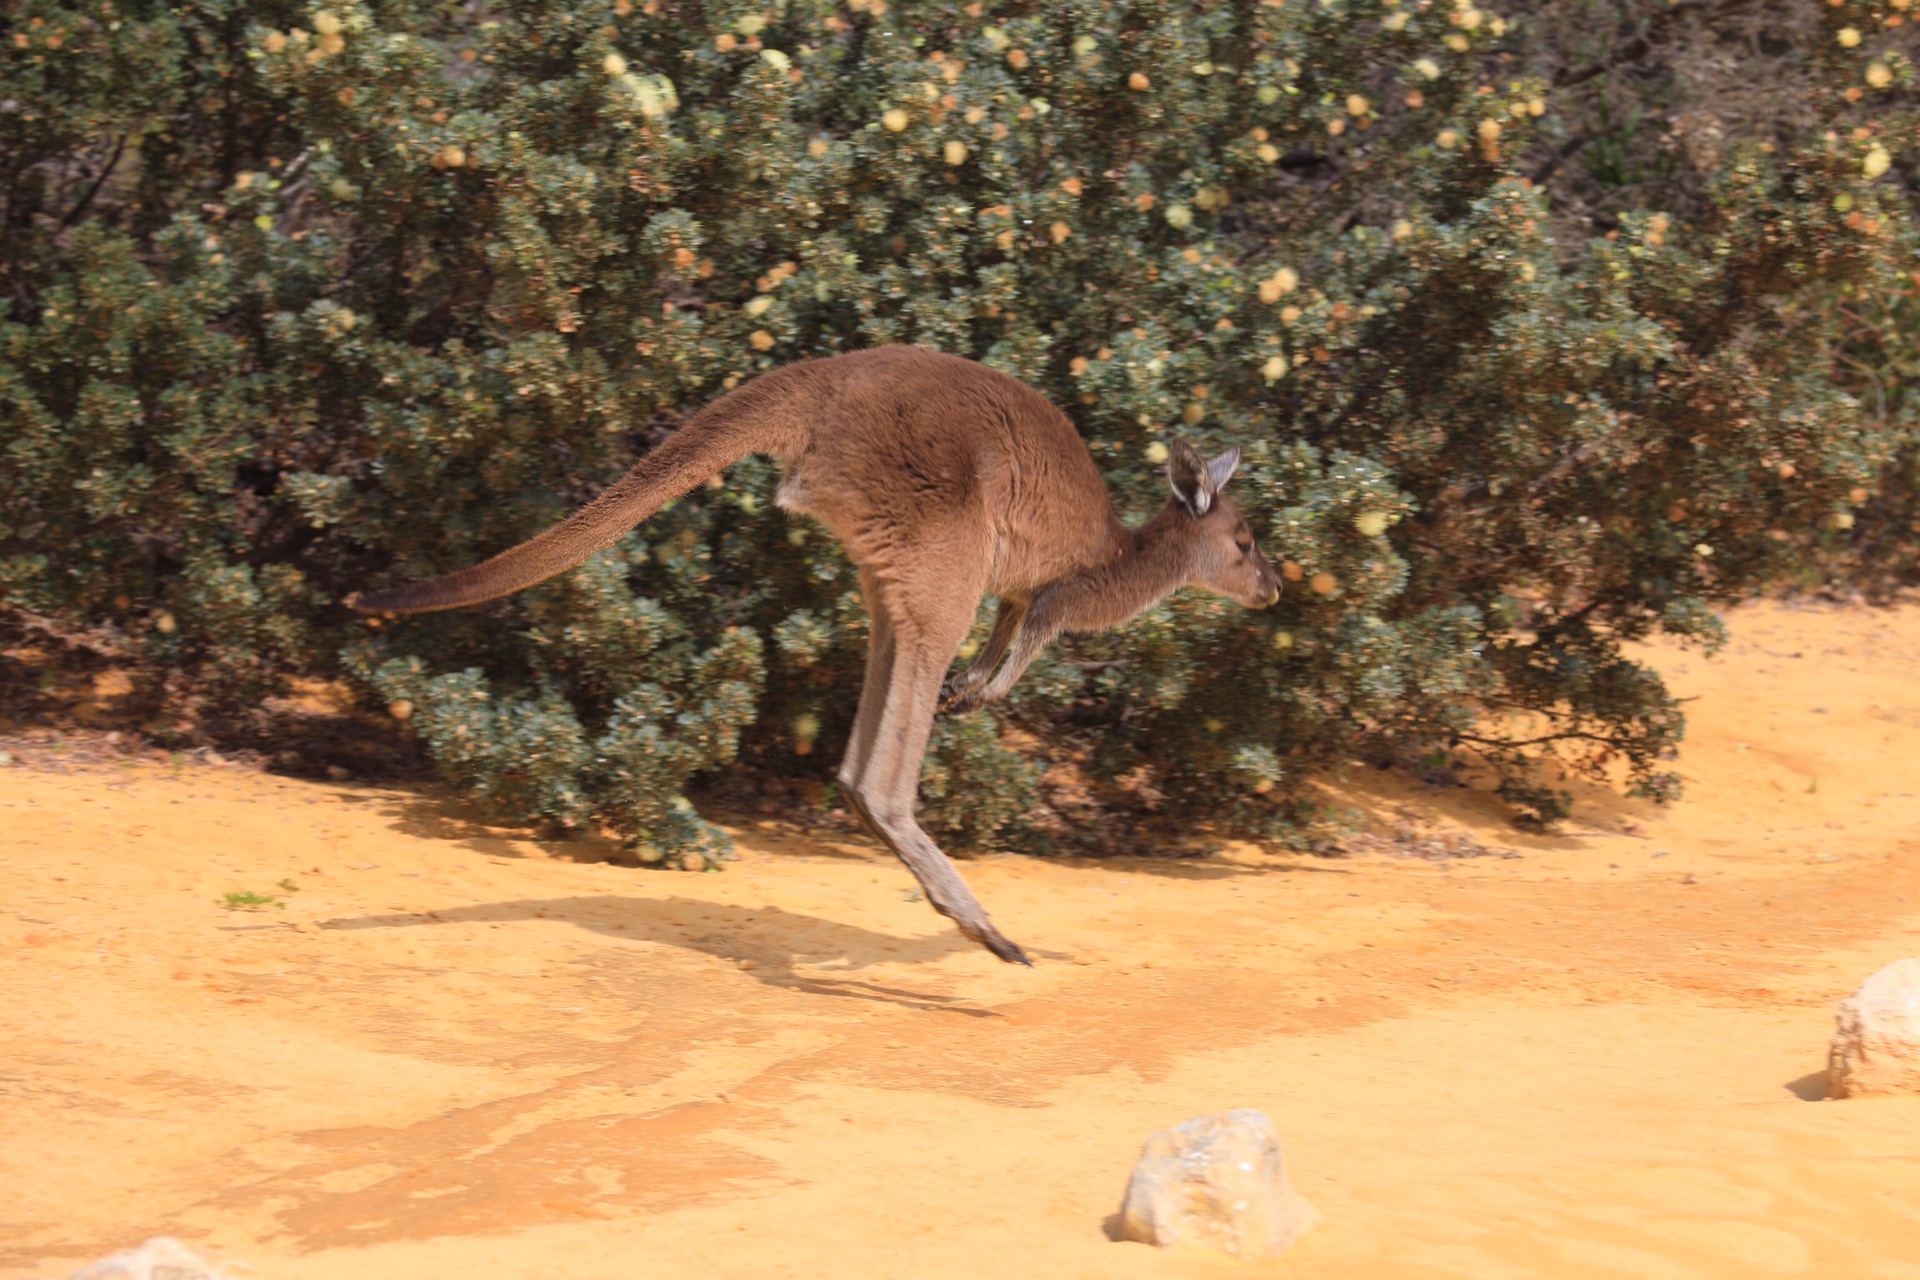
(1246, 547)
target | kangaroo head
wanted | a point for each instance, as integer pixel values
(1224, 557)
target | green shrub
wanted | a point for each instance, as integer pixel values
(301, 301)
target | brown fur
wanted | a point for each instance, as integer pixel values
(947, 482)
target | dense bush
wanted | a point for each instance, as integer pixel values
(304, 300)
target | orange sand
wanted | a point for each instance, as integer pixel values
(459, 1054)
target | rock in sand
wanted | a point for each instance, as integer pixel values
(1218, 1182)
(161, 1258)
(1876, 1046)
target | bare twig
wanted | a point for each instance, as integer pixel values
(100, 180)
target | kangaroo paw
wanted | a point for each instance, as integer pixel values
(959, 702)
(953, 692)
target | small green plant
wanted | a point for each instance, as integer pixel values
(247, 900)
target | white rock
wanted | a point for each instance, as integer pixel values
(1876, 1046)
(161, 1258)
(1219, 1182)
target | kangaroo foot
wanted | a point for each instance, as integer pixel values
(972, 921)
(998, 943)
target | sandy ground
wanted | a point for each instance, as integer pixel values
(457, 1053)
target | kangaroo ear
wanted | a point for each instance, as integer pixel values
(1221, 469)
(1189, 478)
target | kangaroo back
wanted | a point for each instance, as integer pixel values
(770, 415)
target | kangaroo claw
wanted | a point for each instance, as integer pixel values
(960, 702)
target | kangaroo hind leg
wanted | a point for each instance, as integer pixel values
(881, 776)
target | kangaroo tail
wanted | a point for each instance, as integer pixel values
(758, 418)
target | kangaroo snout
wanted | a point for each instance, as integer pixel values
(1267, 594)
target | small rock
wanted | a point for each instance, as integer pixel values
(161, 1258)
(1216, 1181)
(1876, 1044)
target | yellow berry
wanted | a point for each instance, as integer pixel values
(1849, 37)
(895, 120)
(1156, 453)
(1278, 285)
(1371, 524)
(955, 152)
(614, 65)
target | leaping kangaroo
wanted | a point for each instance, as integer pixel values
(946, 481)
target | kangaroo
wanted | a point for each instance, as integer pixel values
(946, 482)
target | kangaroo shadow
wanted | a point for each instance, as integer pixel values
(768, 942)
(1191, 868)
